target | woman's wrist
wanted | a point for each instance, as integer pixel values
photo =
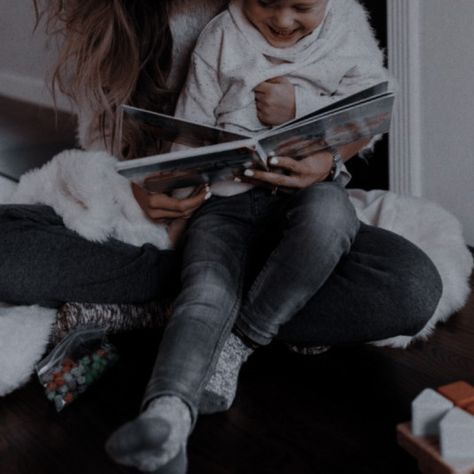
(349, 150)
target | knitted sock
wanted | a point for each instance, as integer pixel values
(156, 440)
(112, 317)
(220, 391)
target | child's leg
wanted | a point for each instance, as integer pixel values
(205, 311)
(319, 225)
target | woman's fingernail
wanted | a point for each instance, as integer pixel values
(272, 153)
(207, 196)
(274, 161)
(237, 179)
(249, 173)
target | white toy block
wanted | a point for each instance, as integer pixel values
(457, 436)
(427, 410)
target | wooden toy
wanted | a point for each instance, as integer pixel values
(427, 452)
(457, 436)
(460, 393)
(441, 435)
(427, 410)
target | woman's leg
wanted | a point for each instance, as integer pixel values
(384, 287)
(42, 262)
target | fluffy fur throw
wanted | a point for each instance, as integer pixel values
(93, 200)
(97, 203)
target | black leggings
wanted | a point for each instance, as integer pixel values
(384, 287)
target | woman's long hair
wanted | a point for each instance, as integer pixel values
(112, 52)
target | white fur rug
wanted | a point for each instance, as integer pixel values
(24, 335)
(24, 331)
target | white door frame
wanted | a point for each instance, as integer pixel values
(403, 31)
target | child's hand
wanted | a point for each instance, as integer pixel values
(276, 102)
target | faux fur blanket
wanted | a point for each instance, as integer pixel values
(97, 203)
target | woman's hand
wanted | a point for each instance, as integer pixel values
(162, 208)
(275, 100)
(298, 174)
(315, 167)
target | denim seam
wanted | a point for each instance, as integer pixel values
(230, 322)
(194, 404)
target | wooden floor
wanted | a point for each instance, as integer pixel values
(327, 414)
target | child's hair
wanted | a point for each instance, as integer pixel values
(112, 52)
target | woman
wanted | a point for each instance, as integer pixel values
(136, 52)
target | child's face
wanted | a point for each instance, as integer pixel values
(284, 22)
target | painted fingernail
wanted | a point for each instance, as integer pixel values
(274, 161)
(249, 173)
(237, 179)
(272, 153)
(207, 196)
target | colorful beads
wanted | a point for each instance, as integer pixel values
(72, 376)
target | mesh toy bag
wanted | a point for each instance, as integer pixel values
(74, 364)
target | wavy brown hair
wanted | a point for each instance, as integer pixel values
(112, 52)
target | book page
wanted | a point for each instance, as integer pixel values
(365, 120)
(174, 130)
(351, 100)
(162, 173)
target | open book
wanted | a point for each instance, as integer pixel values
(204, 151)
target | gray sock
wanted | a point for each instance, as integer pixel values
(156, 439)
(222, 386)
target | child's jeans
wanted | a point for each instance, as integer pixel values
(309, 230)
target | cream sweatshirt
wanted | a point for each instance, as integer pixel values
(231, 58)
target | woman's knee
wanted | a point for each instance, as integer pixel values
(415, 287)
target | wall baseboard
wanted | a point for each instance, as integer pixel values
(30, 89)
(403, 28)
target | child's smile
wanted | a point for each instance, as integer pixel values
(284, 22)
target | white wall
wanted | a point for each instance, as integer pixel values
(25, 56)
(447, 106)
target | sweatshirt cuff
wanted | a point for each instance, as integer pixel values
(304, 102)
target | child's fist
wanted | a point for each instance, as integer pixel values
(275, 100)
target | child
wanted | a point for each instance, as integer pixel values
(307, 53)
(313, 52)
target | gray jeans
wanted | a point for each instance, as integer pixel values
(42, 262)
(306, 235)
(383, 287)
